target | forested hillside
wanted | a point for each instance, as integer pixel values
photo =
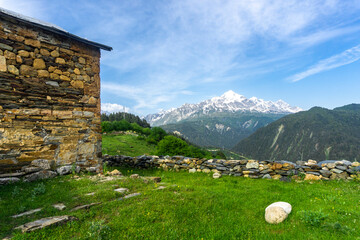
(315, 134)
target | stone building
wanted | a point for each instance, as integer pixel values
(49, 95)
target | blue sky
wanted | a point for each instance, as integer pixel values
(167, 53)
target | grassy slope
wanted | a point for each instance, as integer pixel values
(193, 206)
(125, 145)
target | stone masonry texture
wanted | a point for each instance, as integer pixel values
(49, 98)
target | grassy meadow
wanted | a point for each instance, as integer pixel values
(192, 206)
(128, 145)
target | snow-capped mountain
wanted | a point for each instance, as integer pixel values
(228, 102)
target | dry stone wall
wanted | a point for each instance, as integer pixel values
(49, 98)
(283, 170)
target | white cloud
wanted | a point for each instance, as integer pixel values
(349, 56)
(34, 8)
(184, 43)
(113, 108)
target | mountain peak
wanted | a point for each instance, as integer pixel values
(231, 95)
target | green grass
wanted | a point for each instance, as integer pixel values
(128, 145)
(193, 206)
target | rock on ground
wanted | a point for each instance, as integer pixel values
(64, 170)
(132, 195)
(40, 175)
(59, 206)
(134, 176)
(216, 175)
(45, 222)
(121, 190)
(277, 212)
(87, 206)
(41, 163)
(27, 213)
(8, 180)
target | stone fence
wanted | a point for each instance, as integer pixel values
(283, 170)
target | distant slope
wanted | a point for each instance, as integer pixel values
(315, 134)
(222, 130)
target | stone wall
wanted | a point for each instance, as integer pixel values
(49, 98)
(283, 170)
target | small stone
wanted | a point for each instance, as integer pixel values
(41, 163)
(5, 47)
(92, 100)
(132, 195)
(19, 59)
(216, 175)
(115, 172)
(266, 176)
(311, 177)
(330, 165)
(77, 71)
(341, 167)
(44, 52)
(33, 43)
(325, 173)
(15, 174)
(154, 179)
(337, 171)
(3, 67)
(45, 222)
(52, 83)
(32, 169)
(135, 176)
(121, 190)
(4, 181)
(65, 78)
(160, 188)
(39, 64)
(44, 174)
(12, 69)
(60, 60)
(58, 71)
(81, 60)
(252, 164)
(277, 212)
(59, 206)
(27, 213)
(54, 76)
(28, 71)
(193, 170)
(9, 55)
(77, 84)
(23, 53)
(355, 164)
(276, 177)
(64, 170)
(55, 53)
(90, 194)
(206, 170)
(43, 73)
(87, 206)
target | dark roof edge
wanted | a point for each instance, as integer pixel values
(60, 32)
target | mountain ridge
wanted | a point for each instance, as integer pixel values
(228, 102)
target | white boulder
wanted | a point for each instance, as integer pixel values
(277, 212)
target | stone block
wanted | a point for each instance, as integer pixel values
(33, 43)
(3, 67)
(12, 69)
(28, 71)
(39, 64)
